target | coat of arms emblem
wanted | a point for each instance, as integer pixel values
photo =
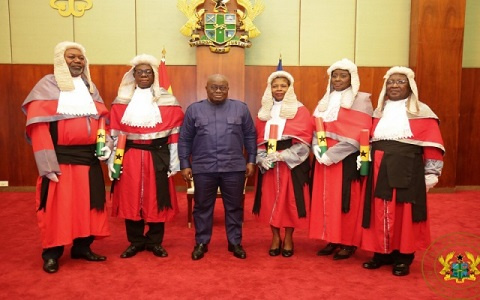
(461, 269)
(220, 28)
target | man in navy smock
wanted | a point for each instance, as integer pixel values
(214, 133)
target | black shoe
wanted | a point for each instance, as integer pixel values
(374, 264)
(345, 252)
(329, 249)
(237, 250)
(199, 250)
(276, 251)
(287, 253)
(401, 270)
(50, 265)
(88, 255)
(132, 251)
(157, 250)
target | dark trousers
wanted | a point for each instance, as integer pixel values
(80, 245)
(394, 258)
(231, 186)
(136, 236)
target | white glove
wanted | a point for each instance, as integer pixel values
(431, 180)
(52, 176)
(326, 160)
(275, 156)
(170, 173)
(318, 153)
(266, 163)
(106, 153)
(111, 169)
(359, 162)
(174, 165)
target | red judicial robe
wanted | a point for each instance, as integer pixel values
(278, 206)
(134, 195)
(67, 214)
(391, 225)
(327, 221)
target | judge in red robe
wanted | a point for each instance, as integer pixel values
(145, 192)
(407, 158)
(63, 112)
(337, 187)
(282, 190)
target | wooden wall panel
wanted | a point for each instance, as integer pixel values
(230, 64)
(22, 168)
(255, 82)
(468, 162)
(5, 103)
(438, 28)
(184, 84)
(371, 81)
(107, 79)
(18, 166)
(310, 85)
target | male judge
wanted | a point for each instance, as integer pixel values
(63, 114)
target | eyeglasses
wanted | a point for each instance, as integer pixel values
(147, 72)
(222, 88)
(398, 82)
(342, 76)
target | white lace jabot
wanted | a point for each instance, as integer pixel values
(331, 113)
(141, 110)
(393, 125)
(78, 102)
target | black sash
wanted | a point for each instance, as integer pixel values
(300, 177)
(77, 155)
(402, 169)
(161, 163)
(350, 174)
